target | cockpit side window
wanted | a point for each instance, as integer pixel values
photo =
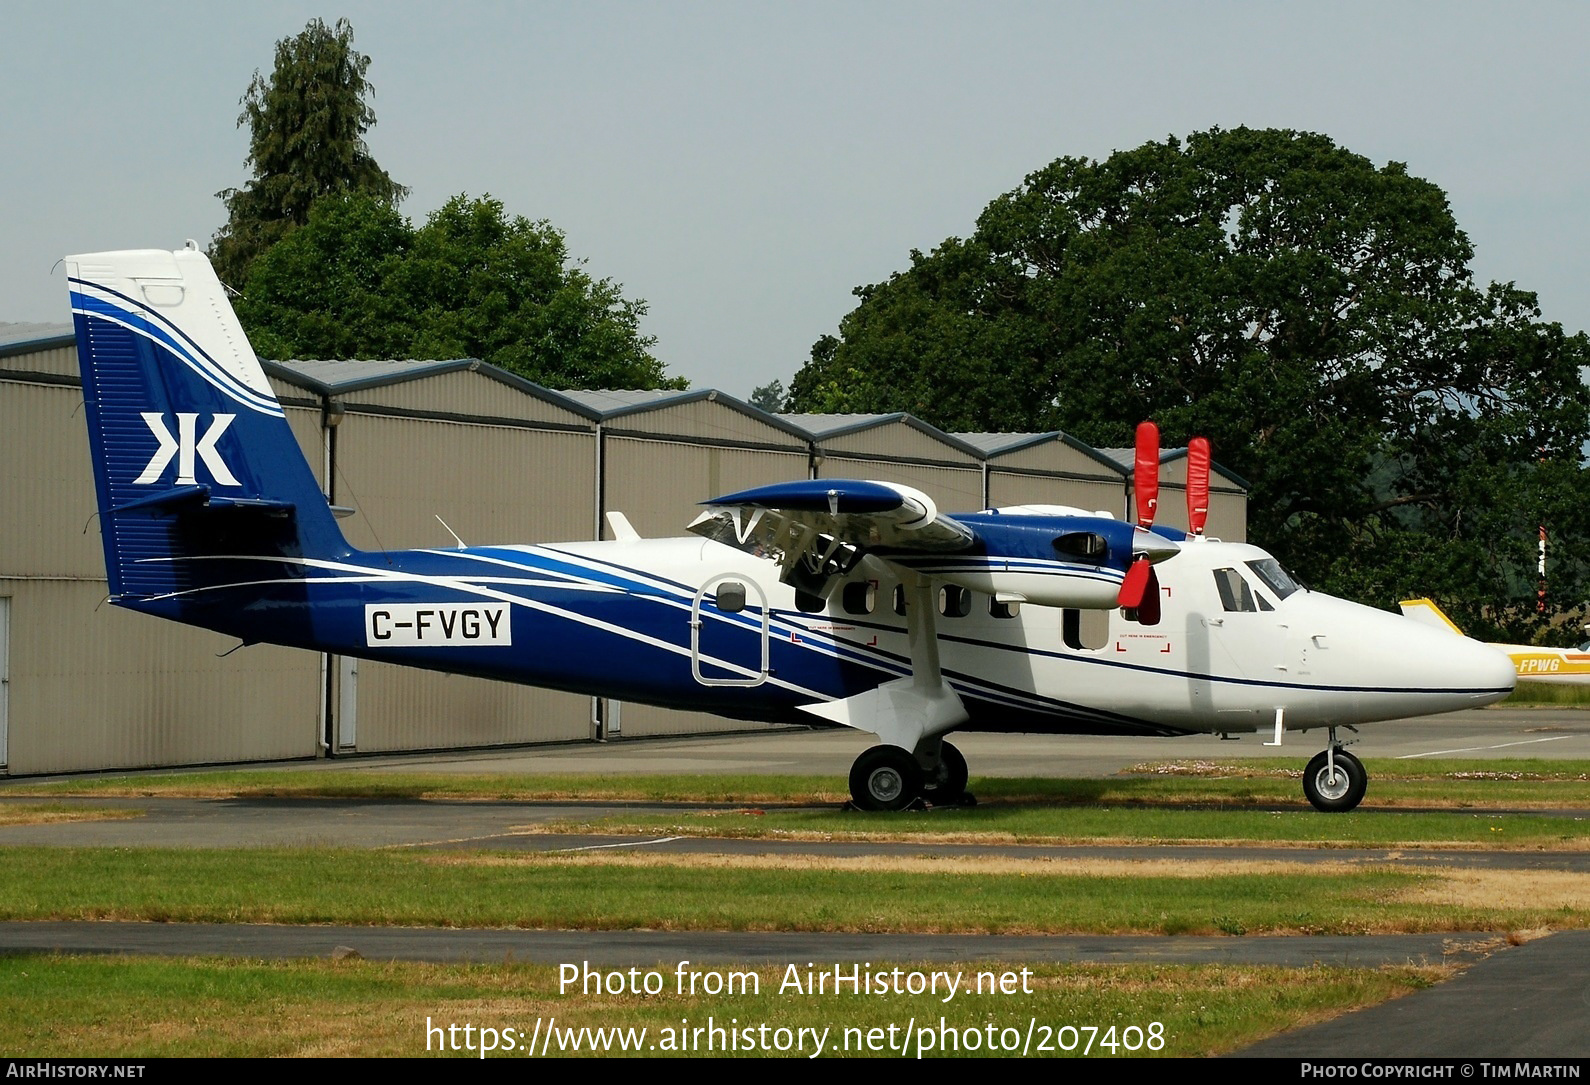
(1235, 595)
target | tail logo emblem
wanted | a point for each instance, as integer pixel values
(188, 449)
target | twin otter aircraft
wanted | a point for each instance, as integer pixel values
(855, 603)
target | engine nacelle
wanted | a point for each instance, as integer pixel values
(1059, 561)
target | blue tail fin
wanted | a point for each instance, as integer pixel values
(194, 462)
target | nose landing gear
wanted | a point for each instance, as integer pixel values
(1335, 780)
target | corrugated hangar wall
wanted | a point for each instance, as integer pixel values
(662, 454)
(412, 456)
(89, 686)
(899, 448)
(409, 446)
(1048, 468)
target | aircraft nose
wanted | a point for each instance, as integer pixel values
(1492, 667)
(1478, 673)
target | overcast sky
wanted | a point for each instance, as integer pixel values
(743, 166)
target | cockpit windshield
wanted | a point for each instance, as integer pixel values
(1275, 577)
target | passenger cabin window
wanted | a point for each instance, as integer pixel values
(899, 599)
(1235, 595)
(860, 597)
(1087, 630)
(809, 603)
(1003, 610)
(954, 602)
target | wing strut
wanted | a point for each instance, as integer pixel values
(906, 711)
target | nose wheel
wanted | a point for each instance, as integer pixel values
(1335, 781)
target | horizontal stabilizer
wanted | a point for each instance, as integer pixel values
(183, 497)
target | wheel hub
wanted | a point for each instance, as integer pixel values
(1332, 787)
(885, 784)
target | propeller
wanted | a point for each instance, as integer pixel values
(1140, 587)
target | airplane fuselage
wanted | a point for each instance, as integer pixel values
(853, 602)
(650, 621)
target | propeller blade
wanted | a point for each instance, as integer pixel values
(1145, 474)
(1197, 484)
(1134, 586)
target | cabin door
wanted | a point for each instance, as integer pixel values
(729, 631)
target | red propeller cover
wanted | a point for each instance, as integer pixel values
(1135, 584)
(1145, 473)
(1140, 591)
(1197, 484)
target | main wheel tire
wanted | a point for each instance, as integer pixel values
(1334, 796)
(885, 778)
(946, 786)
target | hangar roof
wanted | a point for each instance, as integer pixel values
(332, 376)
(336, 377)
(994, 445)
(827, 427)
(1126, 458)
(26, 337)
(609, 403)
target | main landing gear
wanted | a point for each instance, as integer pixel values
(891, 778)
(1335, 780)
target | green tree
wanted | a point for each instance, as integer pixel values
(359, 281)
(1311, 313)
(770, 397)
(306, 140)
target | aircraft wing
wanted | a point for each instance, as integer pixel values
(859, 513)
(817, 529)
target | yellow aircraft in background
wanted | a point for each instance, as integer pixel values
(1559, 666)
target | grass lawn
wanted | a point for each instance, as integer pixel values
(65, 1006)
(135, 1008)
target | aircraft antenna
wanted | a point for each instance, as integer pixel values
(450, 531)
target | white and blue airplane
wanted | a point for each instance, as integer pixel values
(822, 601)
